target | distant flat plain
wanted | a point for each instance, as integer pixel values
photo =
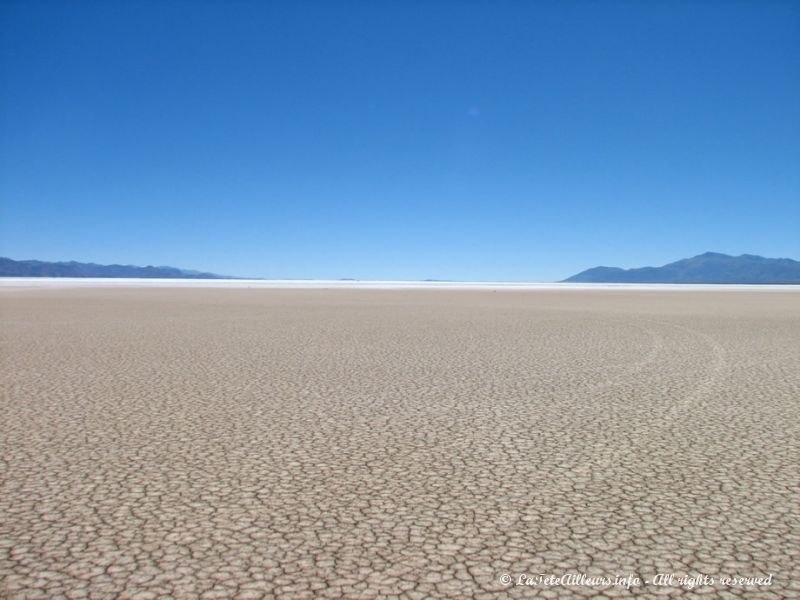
(196, 442)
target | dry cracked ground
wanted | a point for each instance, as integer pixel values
(235, 443)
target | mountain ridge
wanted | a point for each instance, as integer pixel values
(709, 267)
(39, 268)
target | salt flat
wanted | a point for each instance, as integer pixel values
(358, 443)
(63, 282)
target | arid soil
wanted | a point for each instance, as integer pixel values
(235, 443)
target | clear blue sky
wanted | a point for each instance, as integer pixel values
(455, 140)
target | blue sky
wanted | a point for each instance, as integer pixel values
(399, 140)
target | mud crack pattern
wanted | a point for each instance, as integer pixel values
(201, 443)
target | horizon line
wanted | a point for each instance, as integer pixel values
(375, 284)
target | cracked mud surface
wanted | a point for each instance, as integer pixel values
(201, 443)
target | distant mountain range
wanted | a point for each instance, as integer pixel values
(710, 267)
(38, 268)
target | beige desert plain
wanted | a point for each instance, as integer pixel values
(420, 443)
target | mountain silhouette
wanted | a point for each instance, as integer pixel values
(38, 268)
(711, 267)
